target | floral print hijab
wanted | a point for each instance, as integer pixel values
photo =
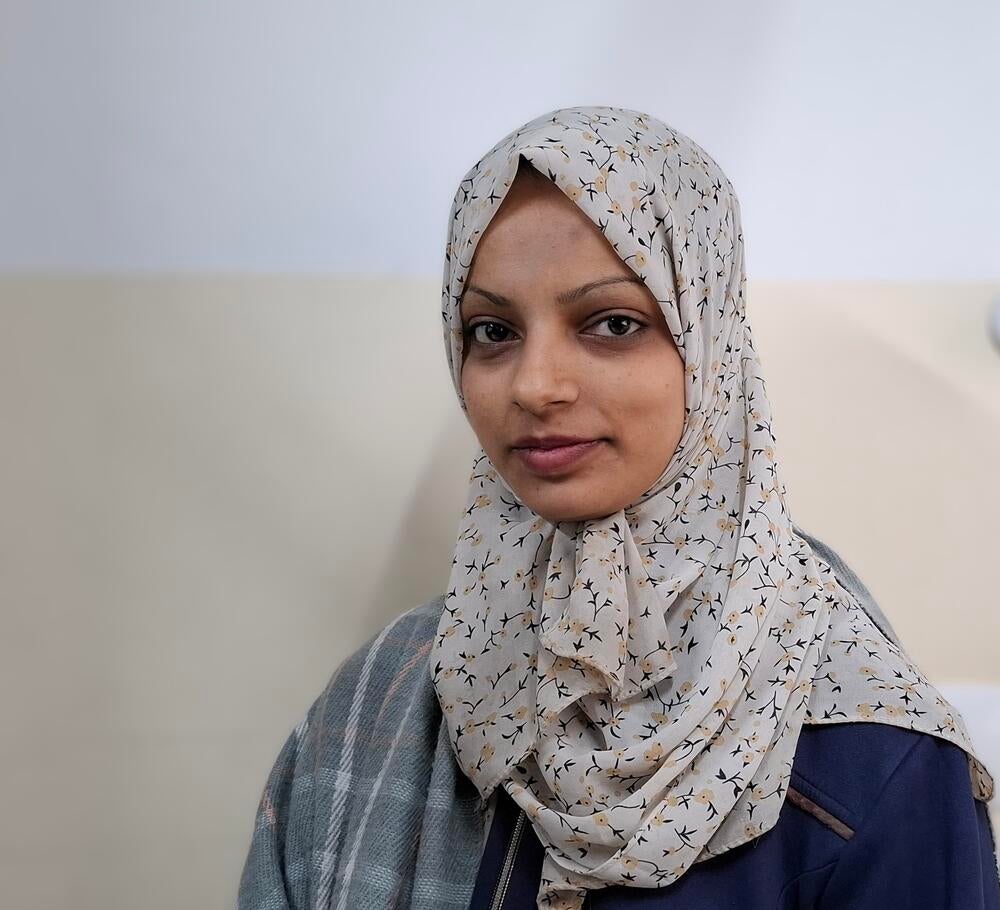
(637, 683)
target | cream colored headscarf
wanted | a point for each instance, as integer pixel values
(638, 683)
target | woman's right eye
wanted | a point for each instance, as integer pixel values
(487, 340)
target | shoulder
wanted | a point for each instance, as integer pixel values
(849, 578)
(390, 660)
(847, 768)
(912, 832)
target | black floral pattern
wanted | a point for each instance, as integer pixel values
(637, 683)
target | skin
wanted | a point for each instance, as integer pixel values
(538, 366)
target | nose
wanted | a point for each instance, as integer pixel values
(545, 373)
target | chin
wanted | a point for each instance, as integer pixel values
(553, 510)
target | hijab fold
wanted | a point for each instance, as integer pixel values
(637, 683)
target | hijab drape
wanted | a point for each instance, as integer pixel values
(637, 683)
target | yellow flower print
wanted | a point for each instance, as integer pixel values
(704, 796)
(574, 192)
(640, 259)
(487, 752)
(601, 819)
(653, 753)
(866, 711)
(630, 863)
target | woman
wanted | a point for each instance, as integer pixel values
(644, 686)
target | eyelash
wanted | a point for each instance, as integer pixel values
(470, 329)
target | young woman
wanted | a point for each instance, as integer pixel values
(644, 686)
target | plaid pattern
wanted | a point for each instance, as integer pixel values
(366, 807)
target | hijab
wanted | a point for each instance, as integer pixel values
(637, 683)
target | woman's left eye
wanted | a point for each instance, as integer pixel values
(618, 318)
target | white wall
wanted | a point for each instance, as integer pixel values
(329, 136)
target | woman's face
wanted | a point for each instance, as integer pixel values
(563, 339)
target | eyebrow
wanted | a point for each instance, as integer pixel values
(564, 297)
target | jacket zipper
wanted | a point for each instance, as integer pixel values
(500, 892)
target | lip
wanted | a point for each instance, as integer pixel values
(553, 459)
(549, 442)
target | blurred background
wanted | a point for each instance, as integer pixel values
(230, 451)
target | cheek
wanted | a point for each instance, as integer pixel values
(481, 400)
(650, 409)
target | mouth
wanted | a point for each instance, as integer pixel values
(550, 459)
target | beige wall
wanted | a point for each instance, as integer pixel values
(214, 489)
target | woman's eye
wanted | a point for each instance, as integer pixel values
(618, 319)
(479, 339)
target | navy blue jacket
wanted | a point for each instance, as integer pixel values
(876, 818)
